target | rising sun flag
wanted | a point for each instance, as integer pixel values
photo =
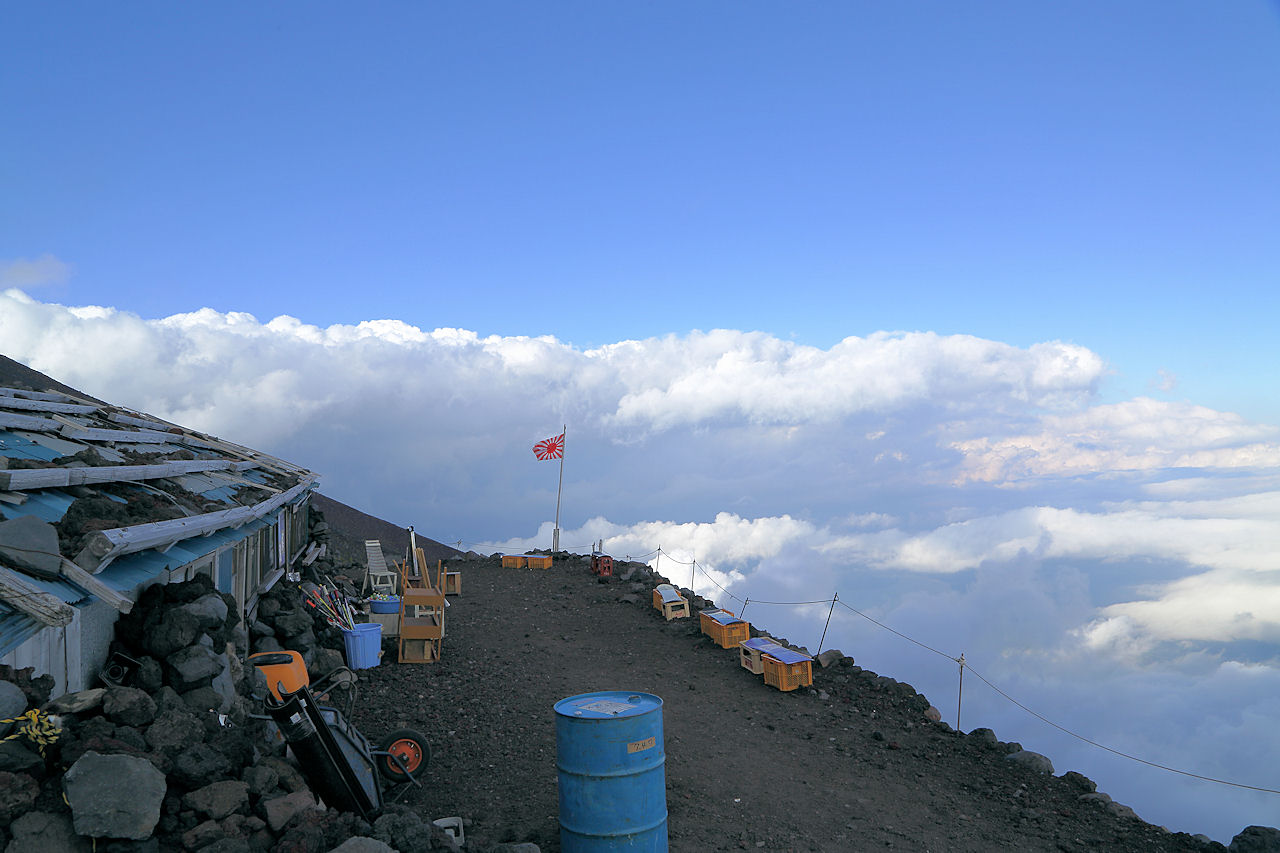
(553, 448)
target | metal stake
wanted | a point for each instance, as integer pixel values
(834, 599)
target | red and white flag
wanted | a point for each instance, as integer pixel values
(552, 448)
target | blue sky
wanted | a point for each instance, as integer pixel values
(965, 312)
(1103, 173)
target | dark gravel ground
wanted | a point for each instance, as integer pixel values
(851, 765)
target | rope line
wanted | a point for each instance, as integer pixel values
(1047, 721)
(900, 634)
(964, 664)
(37, 727)
(713, 581)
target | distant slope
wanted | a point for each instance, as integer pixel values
(15, 374)
(349, 528)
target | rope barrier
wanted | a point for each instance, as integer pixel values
(1064, 730)
(900, 634)
(963, 663)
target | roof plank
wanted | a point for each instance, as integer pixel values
(132, 436)
(46, 406)
(53, 478)
(35, 423)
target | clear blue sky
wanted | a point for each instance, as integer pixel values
(1098, 172)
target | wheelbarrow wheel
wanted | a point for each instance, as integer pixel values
(412, 750)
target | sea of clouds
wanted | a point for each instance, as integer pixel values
(1114, 567)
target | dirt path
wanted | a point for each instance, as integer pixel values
(855, 767)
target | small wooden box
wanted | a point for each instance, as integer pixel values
(753, 651)
(537, 562)
(419, 651)
(453, 583)
(390, 623)
(513, 561)
(724, 628)
(787, 676)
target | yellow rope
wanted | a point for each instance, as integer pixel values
(37, 726)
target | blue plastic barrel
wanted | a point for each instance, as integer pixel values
(613, 789)
(363, 645)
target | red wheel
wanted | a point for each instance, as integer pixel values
(412, 750)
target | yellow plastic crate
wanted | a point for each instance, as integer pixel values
(724, 636)
(672, 605)
(537, 562)
(786, 676)
(513, 561)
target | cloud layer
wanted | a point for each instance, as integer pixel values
(972, 494)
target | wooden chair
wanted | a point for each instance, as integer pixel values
(377, 577)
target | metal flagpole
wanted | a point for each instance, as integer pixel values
(555, 534)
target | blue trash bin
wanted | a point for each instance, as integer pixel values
(364, 645)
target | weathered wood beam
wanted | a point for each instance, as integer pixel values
(46, 406)
(52, 478)
(104, 546)
(130, 436)
(34, 423)
(45, 607)
(92, 585)
(34, 395)
(144, 423)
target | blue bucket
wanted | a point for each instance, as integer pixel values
(363, 645)
(613, 791)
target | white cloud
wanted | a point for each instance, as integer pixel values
(1136, 435)
(761, 379)
(34, 272)
(1137, 559)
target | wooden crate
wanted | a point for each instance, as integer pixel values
(390, 623)
(787, 676)
(453, 583)
(724, 628)
(670, 603)
(513, 561)
(752, 652)
(537, 562)
(419, 651)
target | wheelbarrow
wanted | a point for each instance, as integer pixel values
(338, 762)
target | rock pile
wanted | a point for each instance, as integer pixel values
(171, 752)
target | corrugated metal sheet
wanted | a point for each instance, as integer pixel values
(60, 446)
(47, 504)
(129, 571)
(208, 484)
(16, 628)
(165, 447)
(68, 592)
(20, 447)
